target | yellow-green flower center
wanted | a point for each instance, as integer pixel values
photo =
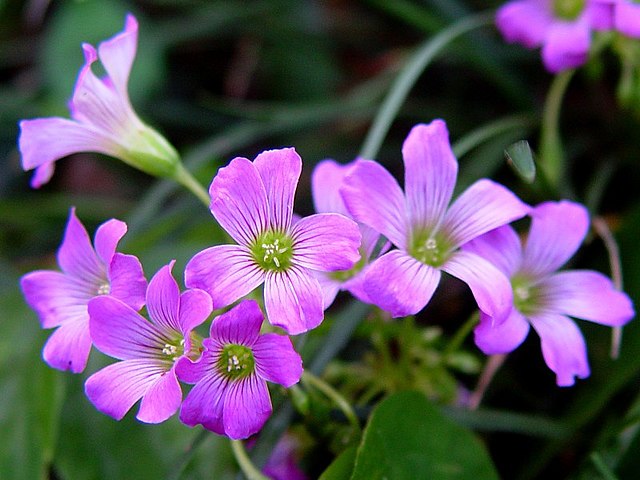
(273, 250)
(236, 361)
(104, 289)
(527, 298)
(430, 249)
(344, 275)
(568, 9)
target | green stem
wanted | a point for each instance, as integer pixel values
(187, 180)
(461, 334)
(331, 393)
(248, 468)
(551, 151)
(410, 74)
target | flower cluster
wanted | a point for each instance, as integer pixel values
(564, 28)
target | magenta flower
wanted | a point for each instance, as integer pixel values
(545, 298)
(60, 298)
(428, 232)
(562, 28)
(253, 201)
(103, 119)
(230, 396)
(326, 181)
(623, 16)
(148, 350)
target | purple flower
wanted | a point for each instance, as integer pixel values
(282, 464)
(562, 28)
(545, 298)
(253, 201)
(326, 181)
(148, 350)
(230, 396)
(427, 231)
(103, 119)
(60, 298)
(622, 15)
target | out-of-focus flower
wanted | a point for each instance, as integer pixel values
(103, 119)
(148, 350)
(253, 202)
(60, 298)
(282, 463)
(427, 231)
(326, 181)
(623, 15)
(230, 396)
(545, 298)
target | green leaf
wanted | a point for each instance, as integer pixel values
(342, 466)
(520, 157)
(409, 438)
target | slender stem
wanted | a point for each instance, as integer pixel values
(187, 180)
(455, 343)
(603, 231)
(602, 468)
(410, 74)
(492, 366)
(336, 397)
(248, 468)
(551, 151)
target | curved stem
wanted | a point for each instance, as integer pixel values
(331, 393)
(551, 151)
(248, 468)
(187, 180)
(455, 343)
(410, 74)
(494, 362)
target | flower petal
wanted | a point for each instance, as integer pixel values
(326, 180)
(163, 299)
(247, 407)
(76, 256)
(226, 272)
(68, 346)
(117, 54)
(326, 242)
(373, 197)
(204, 404)
(276, 359)
(557, 230)
(161, 400)
(107, 237)
(195, 308)
(524, 21)
(293, 300)
(239, 201)
(280, 171)
(117, 387)
(504, 337)
(567, 45)
(119, 331)
(329, 286)
(490, 287)
(627, 18)
(400, 284)
(430, 174)
(485, 205)
(55, 297)
(127, 282)
(588, 295)
(563, 347)
(240, 325)
(501, 247)
(190, 371)
(42, 174)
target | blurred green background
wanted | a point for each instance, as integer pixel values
(227, 78)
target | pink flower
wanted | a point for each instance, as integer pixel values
(545, 298)
(426, 230)
(61, 298)
(103, 119)
(230, 396)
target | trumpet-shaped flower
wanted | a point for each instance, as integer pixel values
(545, 298)
(103, 119)
(253, 201)
(60, 298)
(230, 396)
(326, 181)
(148, 350)
(425, 229)
(563, 28)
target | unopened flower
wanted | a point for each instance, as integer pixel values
(230, 396)
(102, 118)
(326, 181)
(563, 28)
(427, 231)
(148, 350)
(60, 298)
(545, 298)
(253, 202)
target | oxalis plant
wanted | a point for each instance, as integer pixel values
(368, 332)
